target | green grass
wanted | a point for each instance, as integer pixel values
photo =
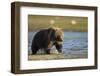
(67, 23)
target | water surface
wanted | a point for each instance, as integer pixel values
(74, 42)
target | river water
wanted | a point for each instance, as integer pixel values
(74, 42)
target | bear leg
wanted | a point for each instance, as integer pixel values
(34, 50)
(47, 51)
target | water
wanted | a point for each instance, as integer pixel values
(74, 42)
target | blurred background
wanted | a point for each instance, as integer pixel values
(67, 23)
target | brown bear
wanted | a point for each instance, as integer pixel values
(46, 38)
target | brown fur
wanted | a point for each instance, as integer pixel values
(46, 38)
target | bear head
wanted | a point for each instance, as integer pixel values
(56, 37)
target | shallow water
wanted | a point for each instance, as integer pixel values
(74, 42)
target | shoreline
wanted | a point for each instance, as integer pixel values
(56, 56)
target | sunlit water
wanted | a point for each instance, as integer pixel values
(74, 42)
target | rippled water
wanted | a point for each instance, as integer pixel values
(74, 42)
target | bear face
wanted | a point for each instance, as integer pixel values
(46, 38)
(56, 34)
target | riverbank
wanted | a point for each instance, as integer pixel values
(57, 56)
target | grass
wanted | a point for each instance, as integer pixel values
(67, 23)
